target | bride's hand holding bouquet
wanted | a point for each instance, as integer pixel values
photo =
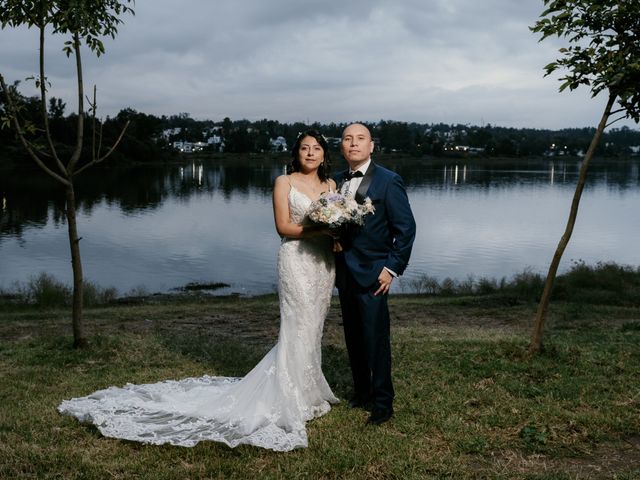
(334, 210)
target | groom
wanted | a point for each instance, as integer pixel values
(373, 255)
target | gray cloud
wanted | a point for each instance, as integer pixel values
(444, 60)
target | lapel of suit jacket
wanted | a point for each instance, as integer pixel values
(364, 185)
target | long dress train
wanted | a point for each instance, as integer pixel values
(266, 408)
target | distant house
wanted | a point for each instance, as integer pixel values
(170, 132)
(635, 149)
(278, 144)
(215, 130)
(334, 142)
(216, 142)
(556, 151)
(185, 147)
(463, 150)
(476, 150)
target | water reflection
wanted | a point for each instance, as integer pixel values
(563, 174)
(162, 226)
(29, 198)
(450, 174)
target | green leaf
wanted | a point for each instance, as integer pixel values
(565, 85)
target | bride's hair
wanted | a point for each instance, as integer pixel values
(325, 167)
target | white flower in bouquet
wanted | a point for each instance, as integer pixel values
(334, 210)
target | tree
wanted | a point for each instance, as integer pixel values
(395, 136)
(85, 21)
(604, 55)
(29, 110)
(56, 108)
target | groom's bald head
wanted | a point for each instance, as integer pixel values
(357, 144)
(356, 127)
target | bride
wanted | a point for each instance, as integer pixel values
(269, 406)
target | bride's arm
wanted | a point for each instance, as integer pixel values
(284, 225)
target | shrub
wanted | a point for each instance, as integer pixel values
(46, 291)
(603, 283)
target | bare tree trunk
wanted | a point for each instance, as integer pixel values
(543, 306)
(79, 339)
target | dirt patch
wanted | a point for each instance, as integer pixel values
(606, 461)
(258, 317)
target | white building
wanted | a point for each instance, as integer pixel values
(216, 142)
(278, 144)
(185, 147)
(169, 132)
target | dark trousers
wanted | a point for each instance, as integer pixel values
(366, 329)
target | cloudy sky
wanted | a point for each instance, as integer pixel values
(452, 61)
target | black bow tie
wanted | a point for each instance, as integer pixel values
(355, 174)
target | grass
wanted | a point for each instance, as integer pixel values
(469, 403)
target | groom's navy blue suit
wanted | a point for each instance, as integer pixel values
(385, 240)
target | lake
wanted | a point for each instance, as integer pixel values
(158, 227)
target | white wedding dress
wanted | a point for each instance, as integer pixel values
(266, 408)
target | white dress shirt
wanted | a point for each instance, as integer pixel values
(351, 186)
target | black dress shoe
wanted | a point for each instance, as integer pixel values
(380, 415)
(360, 401)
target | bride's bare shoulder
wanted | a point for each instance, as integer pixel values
(281, 186)
(282, 180)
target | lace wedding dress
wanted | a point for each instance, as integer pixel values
(266, 408)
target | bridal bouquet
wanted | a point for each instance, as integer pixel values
(335, 210)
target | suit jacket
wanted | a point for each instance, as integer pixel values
(386, 238)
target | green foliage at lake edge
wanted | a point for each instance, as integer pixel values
(469, 403)
(602, 283)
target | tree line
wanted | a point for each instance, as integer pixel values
(151, 138)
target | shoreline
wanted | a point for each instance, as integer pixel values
(604, 283)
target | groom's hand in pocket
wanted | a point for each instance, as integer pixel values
(384, 279)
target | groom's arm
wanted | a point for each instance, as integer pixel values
(401, 224)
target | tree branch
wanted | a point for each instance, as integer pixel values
(100, 159)
(94, 107)
(100, 138)
(80, 126)
(113, 147)
(43, 106)
(618, 111)
(27, 145)
(616, 120)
